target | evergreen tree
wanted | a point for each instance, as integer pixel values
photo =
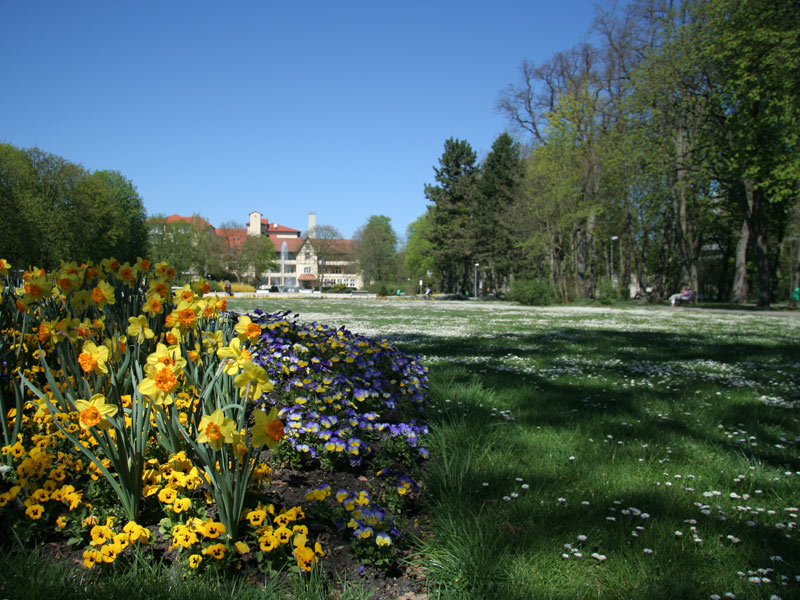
(500, 188)
(454, 234)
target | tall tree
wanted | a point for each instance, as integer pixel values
(377, 246)
(749, 53)
(453, 213)
(500, 188)
(56, 210)
(418, 251)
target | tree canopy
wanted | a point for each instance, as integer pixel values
(55, 210)
(377, 247)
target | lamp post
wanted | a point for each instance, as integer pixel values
(475, 293)
(613, 239)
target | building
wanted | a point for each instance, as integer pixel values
(302, 262)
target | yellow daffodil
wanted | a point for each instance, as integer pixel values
(80, 301)
(139, 328)
(95, 412)
(142, 265)
(253, 381)
(167, 355)
(4, 266)
(216, 429)
(268, 430)
(212, 340)
(233, 356)
(200, 287)
(127, 274)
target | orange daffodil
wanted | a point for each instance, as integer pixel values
(94, 358)
(216, 429)
(163, 369)
(246, 329)
(103, 294)
(268, 430)
(94, 412)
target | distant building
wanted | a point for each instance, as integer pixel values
(299, 261)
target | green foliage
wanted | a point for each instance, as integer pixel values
(187, 245)
(55, 210)
(453, 214)
(418, 254)
(377, 243)
(531, 292)
(256, 257)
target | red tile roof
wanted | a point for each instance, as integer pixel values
(292, 244)
(307, 277)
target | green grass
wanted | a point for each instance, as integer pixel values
(621, 425)
(689, 417)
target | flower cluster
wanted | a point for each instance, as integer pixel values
(346, 396)
(122, 394)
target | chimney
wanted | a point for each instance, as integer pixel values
(312, 225)
(254, 227)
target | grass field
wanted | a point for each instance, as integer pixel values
(602, 453)
(576, 452)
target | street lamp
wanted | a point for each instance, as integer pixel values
(475, 293)
(613, 239)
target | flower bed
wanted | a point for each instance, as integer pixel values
(141, 421)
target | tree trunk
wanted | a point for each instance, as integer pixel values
(685, 230)
(757, 222)
(739, 293)
(795, 277)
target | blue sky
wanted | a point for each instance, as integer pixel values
(222, 108)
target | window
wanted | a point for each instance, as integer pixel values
(288, 268)
(307, 270)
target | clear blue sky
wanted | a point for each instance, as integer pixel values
(222, 108)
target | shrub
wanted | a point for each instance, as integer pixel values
(532, 292)
(243, 287)
(379, 288)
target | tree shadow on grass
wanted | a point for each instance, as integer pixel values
(598, 406)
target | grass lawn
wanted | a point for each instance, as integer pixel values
(582, 452)
(601, 453)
